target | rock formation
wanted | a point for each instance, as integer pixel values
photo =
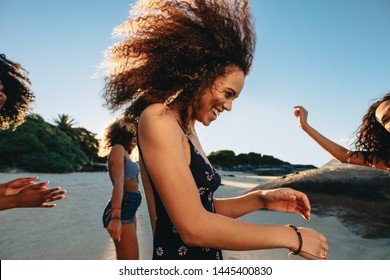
(358, 196)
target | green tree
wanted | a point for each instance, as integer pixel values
(88, 143)
(38, 146)
(65, 123)
(225, 159)
(83, 138)
(250, 159)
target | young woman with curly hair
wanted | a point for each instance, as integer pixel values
(15, 99)
(119, 213)
(15, 93)
(182, 62)
(372, 144)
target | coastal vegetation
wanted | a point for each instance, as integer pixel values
(62, 147)
(38, 146)
(253, 162)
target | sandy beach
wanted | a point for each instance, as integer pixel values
(73, 230)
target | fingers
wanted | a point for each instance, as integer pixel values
(305, 213)
(115, 229)
(31, 178)
(57, 197)
(53, 196)
(301, 113)
(322, 252)
(306, 208)
(20, 182)
(25, 179)
(48, 205)
(56, 194)
(302, 203)
(48, 195)
(297, 110)
(41, 185)
(315, 245)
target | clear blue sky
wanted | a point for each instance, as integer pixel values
(331, 56)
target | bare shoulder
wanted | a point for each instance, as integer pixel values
(158, 128)
(157, 117)
(117, 151)
(156, 110)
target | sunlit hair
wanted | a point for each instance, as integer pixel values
(372, 138)
(177, 47)
(119, 132)
(17, 89)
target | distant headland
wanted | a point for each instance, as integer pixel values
(262, 165)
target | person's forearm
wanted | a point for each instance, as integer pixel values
(2, 189)
(338, 152)
(224, 233)
(8, 202)
(238, 206)
(116, 202)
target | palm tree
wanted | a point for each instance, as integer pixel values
(83, 138)
(65, 123)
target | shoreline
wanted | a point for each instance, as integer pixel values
(73, 230)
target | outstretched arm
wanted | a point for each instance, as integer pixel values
(282, 199)
(338, 152)
(166, 162)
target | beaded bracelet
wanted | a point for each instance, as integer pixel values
(300, 239)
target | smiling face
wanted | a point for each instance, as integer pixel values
(382, 114)
(3, 97)
(219, 96)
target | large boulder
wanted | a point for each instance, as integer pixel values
(358, 196)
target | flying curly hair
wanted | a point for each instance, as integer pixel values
(173, 47)
(119, 132)
(17, 89)
(372, 138)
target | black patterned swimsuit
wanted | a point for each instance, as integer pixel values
(167, 244)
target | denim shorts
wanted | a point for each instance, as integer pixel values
(130, 203)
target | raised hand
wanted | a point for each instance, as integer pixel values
(301, 113)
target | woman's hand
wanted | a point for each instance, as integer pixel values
(301, 113)
(314, 245)
(15, 186)
(115, 229)
(37, 195)
(286, 200)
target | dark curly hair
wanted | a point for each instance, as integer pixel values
(175, 46)
(119, 132)
(372, 138)
(17, 89)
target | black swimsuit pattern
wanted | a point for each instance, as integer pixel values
(167, 244)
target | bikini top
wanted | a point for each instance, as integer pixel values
(131, 170)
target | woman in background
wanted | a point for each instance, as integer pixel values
(16, 95)
(119, 214)
(15, 99)
(372, 144)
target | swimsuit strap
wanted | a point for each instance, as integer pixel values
(140, 151)
(182, 128)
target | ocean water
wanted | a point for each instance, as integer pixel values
(73, 230)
